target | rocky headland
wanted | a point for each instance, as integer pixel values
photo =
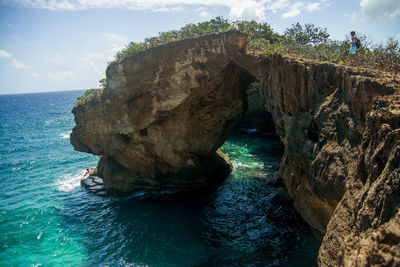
(166, 111)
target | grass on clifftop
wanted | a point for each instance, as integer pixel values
(306, 41)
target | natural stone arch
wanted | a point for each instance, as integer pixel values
(165, 113)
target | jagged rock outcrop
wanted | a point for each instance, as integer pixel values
(364, 229)
(166, 111)
(164, 114)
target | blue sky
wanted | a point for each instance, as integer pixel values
(49, 45)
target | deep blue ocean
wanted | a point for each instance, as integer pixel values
(48, 219)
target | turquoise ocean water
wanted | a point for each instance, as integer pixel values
(48, 219)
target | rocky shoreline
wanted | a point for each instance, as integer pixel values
(166, 111)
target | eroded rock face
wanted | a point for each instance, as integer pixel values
(166, 111)
(365, 228)
(320, 113)
(341, 163)
(164, 114)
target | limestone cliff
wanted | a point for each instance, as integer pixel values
(341, 164)
(166, 111)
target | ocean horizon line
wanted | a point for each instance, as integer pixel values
(42, 92)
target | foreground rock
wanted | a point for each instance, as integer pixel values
(365, 227)
(92, 182)
(166, 111)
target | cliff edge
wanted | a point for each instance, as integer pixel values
(166, 111)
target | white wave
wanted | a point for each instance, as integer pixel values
(70, 182)
(65, 135)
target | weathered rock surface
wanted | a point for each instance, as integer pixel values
(164, 114)
(365, 228)
(166, 111)
(341, 164)
(320, 113)
(92, 182)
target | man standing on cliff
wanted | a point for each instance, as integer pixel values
(353, 48)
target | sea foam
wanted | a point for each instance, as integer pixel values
(70, 182)
(65, 135)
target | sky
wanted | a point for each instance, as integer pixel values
(50, 45)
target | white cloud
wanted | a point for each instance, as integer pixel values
(18, 64)
(62, 76)
(4, 54)
(93, 63)
(55, 59)
(381, 9)
(291, 9)
(36, 75)
(313, 6)
(291, 13)
(204, 14)
(162, 9)
(92, 56)
(238, 9)
(294, 10)
(248, 10)
(116, 41)
(15, 63)
(354, 17)
(126, 4)
(278, 5)
(169, 9)
(326, 2)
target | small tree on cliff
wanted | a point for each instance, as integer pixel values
(309, 34)
(255, 30)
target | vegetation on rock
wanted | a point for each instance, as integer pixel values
(308, 41)
(89, 96)
(259, 34)
(92, 95)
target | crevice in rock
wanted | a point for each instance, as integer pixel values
(313, 131)
(125, 137)
(143, 132)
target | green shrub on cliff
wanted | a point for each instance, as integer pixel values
(312, 42)
(257, 32)
(189, 31)
(91, 95)
(309, 34)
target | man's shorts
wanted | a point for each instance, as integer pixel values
(353, 50)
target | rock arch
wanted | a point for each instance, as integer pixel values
(165, 113)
